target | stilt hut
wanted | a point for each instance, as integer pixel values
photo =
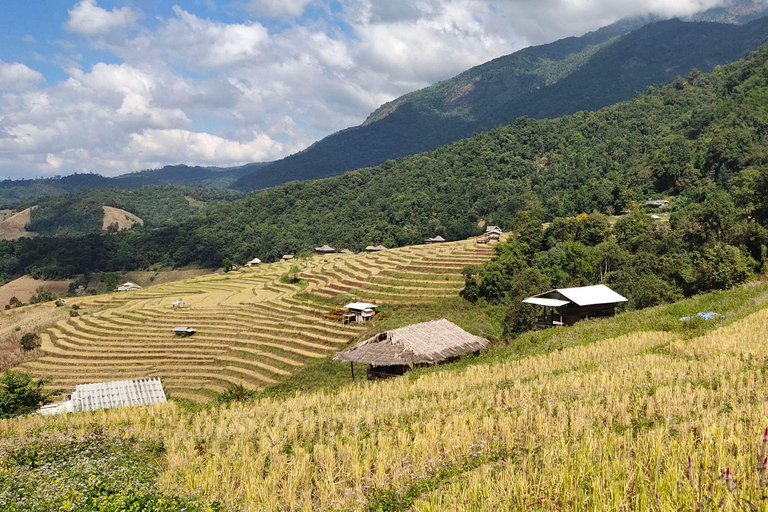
(393, 352)
(566, 306)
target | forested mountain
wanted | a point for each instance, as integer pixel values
(16, 192)
(573, 74)
(701, 140)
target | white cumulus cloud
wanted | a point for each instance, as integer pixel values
(18, 77)
(88, 19)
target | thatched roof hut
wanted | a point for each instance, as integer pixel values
(346, 251)
(325, 249)
(436, 240)
(414, 345)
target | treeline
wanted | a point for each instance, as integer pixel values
(699, 136)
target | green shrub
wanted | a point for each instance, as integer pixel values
(30, 341)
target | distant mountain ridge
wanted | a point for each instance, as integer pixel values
(576, 73)
(15, 192)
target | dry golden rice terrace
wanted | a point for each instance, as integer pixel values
(252, 329)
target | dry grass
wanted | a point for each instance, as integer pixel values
(605, 426)
(121, 218)
(16, 322)
(14, 226)
(24, 288)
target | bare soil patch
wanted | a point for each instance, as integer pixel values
(120, 218)
(24, 287)
(15, 226)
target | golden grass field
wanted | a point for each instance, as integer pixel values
(252, 329)
(604, 426)
(121, 218)
(15, 225)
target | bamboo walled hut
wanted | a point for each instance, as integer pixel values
(393, 352)
(566, 306)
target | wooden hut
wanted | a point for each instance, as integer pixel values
(287, 257)
(566, 306)
(346, 251)
(359, 312)
(493, 233)
(253, 263)
(326, 249)
(393, 352)
(128, 286)
(436, 240)
(375, 248)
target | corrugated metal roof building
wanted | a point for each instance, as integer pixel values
(107, 395)
(566, 306)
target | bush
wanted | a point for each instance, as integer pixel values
(21, 394)
(30, 341)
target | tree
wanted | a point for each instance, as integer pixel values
(42, 294)
(30, 341)
(21, 394)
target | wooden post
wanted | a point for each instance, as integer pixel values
(352, 367)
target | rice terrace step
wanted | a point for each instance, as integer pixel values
(251, 328)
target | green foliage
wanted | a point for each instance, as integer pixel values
(99, 471)
(21, 394)
(42, 294)
(30, 341)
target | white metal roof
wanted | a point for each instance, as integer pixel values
(360, 305)
(105, 395)
(590, 295)
(541, 301)
(254, 261)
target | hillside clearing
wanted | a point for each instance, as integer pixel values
(14, 227)
(119, 219)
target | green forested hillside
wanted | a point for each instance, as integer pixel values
(81, 213)
(563, 77)
(700, 139)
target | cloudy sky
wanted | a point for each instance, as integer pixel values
(114, 86)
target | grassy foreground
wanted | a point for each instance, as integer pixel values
(594, 422)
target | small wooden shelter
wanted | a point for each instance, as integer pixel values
(346, 251)
(436, 240)
(566, 306)
(393, 352)
(359, 312)
(128, 286)
(178, 304)
(375, 248)
(287, 257)
(493, 233)
(184, 331)
(326, 249)
(254, 262)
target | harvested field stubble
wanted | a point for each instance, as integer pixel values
(604, 426)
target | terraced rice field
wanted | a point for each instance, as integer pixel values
(252, 329)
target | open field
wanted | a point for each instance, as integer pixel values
(119, 218)
(14, 227)
(24, 288)
(252, 329)
(604, 426)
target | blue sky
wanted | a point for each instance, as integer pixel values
(115, 86)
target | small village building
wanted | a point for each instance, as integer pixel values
(286, 257)
(566, 306)
(184, 331)
(493, 233)
(436, 240)
(346, 251)
(326, 249)
(375, 248)
(657, 203)
(482, 240)
(393, 352)
(253, 263)
(178, 304)
(128, 286)
(107, 395)
(359, 312)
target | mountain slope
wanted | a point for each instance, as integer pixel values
(560, 78)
